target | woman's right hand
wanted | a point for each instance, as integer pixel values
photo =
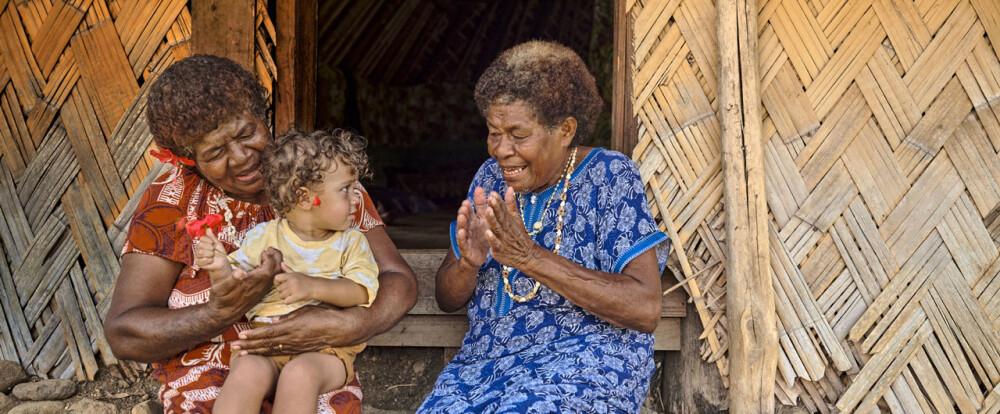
(471, 228)
(455, 280)
(233, 296)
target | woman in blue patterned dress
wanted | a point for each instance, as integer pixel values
(553, 252)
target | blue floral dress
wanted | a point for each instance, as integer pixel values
(547, 354)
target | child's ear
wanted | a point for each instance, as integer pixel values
(303, 198)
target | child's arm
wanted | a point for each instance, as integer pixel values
(356, 288)
(293, 286)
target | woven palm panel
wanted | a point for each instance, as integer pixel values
(881, 132)
(73, 152)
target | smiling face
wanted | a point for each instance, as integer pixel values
(229, 157)
(531, 157)
(338, 200)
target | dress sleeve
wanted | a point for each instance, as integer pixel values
(368, 217)
(626, 227)
(154, 229)
(359, 264)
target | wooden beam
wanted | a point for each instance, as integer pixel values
(749, 295)
(426, 325)
(224, 28)
(624, 131)
(448, 331)
(688, 384)
(295, 96)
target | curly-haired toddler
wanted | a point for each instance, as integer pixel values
(310, 179)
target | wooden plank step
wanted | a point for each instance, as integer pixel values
(448, 331)
(425, 264)
(427, 326)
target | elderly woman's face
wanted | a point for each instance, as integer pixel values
(530, 156)
(230, 157)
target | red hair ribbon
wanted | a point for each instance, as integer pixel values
(167, 157)
(196, 228)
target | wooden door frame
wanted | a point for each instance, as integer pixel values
(296, 45)
(224, 28)
(624, 129)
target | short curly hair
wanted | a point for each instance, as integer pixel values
(299, 159)
(550, 78)
(194, 96)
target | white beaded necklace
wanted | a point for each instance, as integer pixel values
(228, 230)
(567, 173)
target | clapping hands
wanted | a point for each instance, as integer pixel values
(495, 225)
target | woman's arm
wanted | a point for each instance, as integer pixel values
(312, 328)
(630, 299)
(397, 291)
(139, 325)
(454, 283)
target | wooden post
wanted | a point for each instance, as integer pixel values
(224, 28)
(295, 95)
(753, 335)
(624, 134)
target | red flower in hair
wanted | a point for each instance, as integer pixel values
(167, 157)
(196, 228)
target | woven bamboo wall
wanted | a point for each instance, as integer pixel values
(73, 150)
(881, 124)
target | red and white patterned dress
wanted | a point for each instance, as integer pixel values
(192, 380)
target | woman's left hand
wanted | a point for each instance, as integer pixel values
(307, 329)
(509, 240)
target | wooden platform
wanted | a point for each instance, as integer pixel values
(428, 326)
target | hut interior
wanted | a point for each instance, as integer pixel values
(402, 73)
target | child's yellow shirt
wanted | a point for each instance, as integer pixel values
(346, 254)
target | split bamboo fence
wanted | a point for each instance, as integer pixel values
(73, 151)
(881, 126)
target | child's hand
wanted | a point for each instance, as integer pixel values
(293, 286)
(210, 254)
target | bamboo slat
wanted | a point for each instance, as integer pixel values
(15, 140)
(106, 72)
(940, 119)
(47, 176)
(881, 131)
(75, 331)
(72, 142)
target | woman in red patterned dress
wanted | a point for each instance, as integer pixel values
(164, 310)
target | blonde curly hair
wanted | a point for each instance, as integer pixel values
(299, 159)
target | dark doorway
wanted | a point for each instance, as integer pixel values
(402, 73)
